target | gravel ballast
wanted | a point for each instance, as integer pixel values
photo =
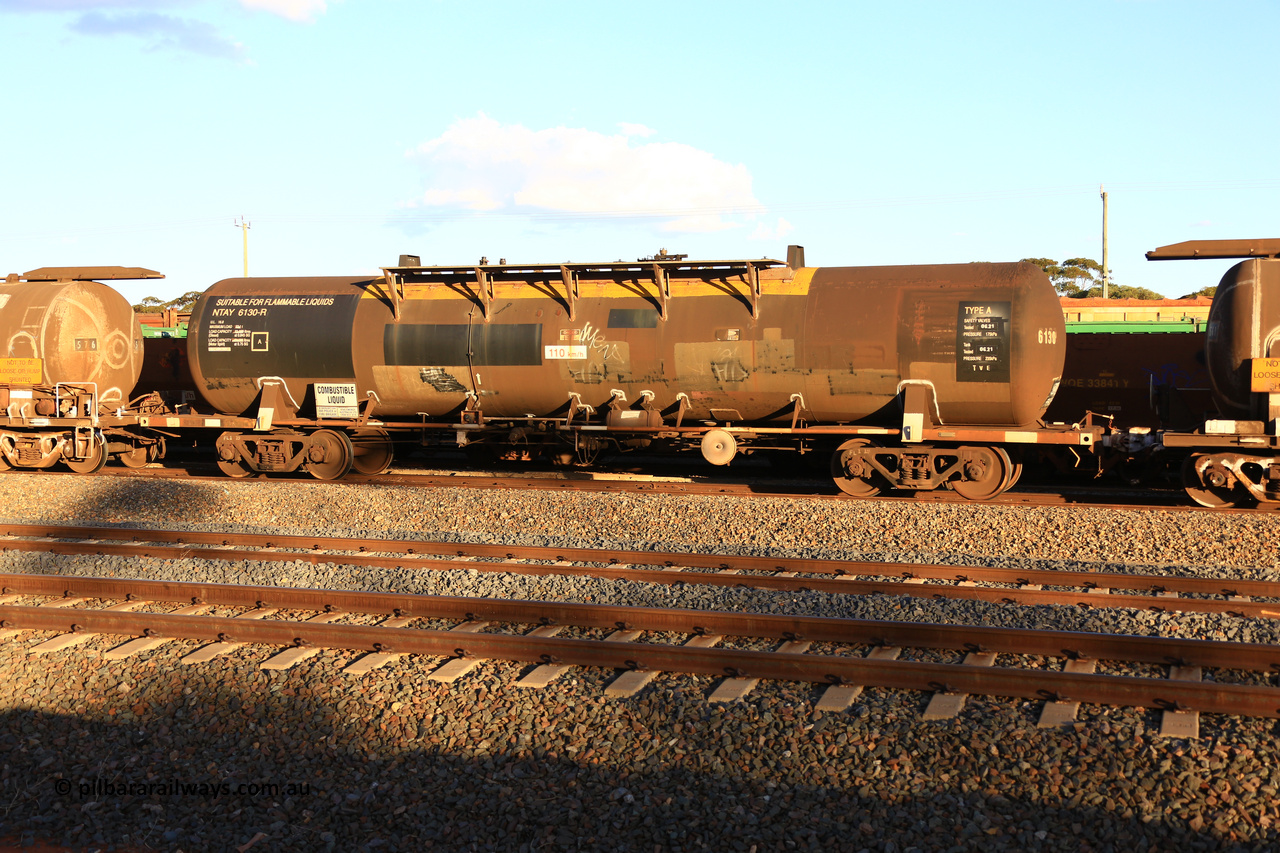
(101, 753)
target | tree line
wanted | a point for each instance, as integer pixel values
(156, 305)
(1081, 278)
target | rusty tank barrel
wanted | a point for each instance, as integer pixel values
(59, 327)
(1244, 324)
(741, 341)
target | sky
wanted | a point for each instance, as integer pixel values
(349, 132)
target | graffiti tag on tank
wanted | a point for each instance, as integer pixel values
(582, 343)
(441, 380)
(596, 341)
(728, 367)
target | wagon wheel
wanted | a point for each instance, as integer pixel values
(155, 450)
(373, 451)
(1130, 472)
(330, 455)
(852, 474)
(92, 463)
(1214, 497)
(985, 472)
(235, 468)
(1015, 468)
(230, 462)
(139, 456)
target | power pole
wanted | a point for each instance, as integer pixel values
(1106, 271)
(243, 226)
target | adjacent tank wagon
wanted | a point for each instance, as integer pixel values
(71, 328)
(73, 353)
(1234, 459)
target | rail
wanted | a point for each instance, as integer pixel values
(1256, 599)
(837, 668)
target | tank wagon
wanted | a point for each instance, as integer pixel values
(908, 376)
(73, 352)
(1234, 459)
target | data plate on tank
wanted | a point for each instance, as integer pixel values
(336, 400)
(21, 371)
(982, 342)
(1264, 376)
(262, 335)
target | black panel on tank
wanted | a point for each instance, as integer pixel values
(512, 343)
(446, 343)
(425, 344)
(633, 318)
(982, 341)
(279, 335)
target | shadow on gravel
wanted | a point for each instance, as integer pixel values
(121, 501)
(154, 756)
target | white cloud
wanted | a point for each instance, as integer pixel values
(764, 232)
(629, 129)
(150, 21)
(79, 5)
(294, 10)
(471, 199)
(479, 164)
(160, 32)
(1203, 223)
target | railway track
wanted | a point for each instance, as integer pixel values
(1258, 599)
(1072, 496)
(845, 655)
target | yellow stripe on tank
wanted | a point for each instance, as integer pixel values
(797, 285)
